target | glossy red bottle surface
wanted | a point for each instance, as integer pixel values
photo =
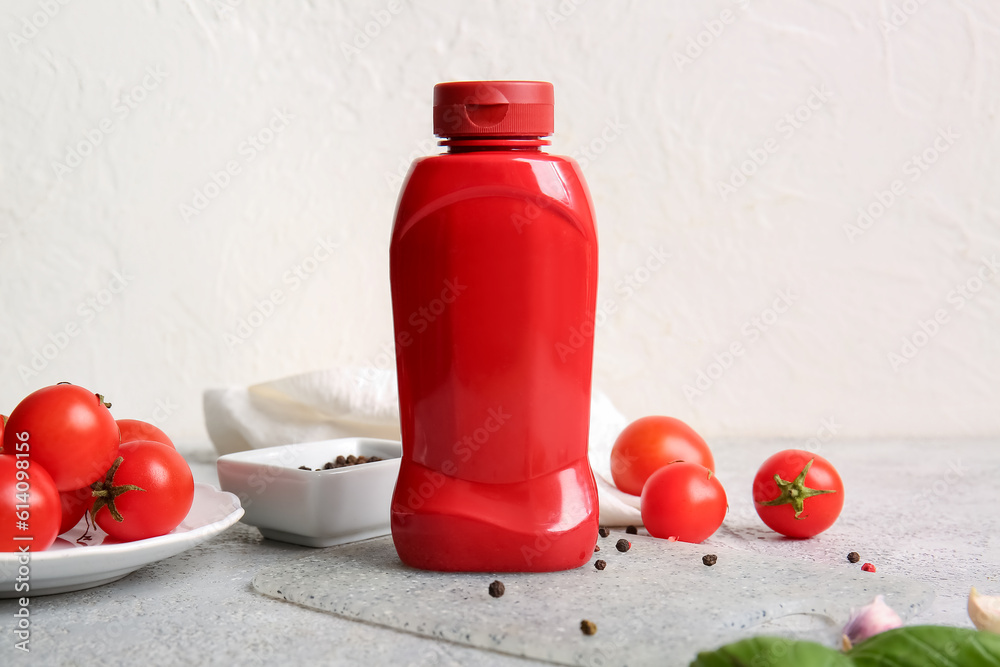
(493, 267)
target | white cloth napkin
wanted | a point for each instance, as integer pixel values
(362, 402)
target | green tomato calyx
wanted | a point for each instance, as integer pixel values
(794, 493)
(105, 492)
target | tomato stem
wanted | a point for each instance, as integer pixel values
(106, 492)
(794, 493)
(86, 532)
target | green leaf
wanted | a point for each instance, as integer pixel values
(914, 646)
(928, 645)
(772, 652)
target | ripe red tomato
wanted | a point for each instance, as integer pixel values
(28, 495)
(797, 493)
(650, 443)
(74, 505)
(147, 492)
(71, 432)
(133, 429)
(684, 501)
(3, 422)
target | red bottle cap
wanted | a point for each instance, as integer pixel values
(493, 109)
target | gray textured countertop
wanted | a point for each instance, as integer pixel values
(920, 509)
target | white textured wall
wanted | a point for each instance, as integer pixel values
(162, 95)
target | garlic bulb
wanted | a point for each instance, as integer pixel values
(984, 610)
(870, 620)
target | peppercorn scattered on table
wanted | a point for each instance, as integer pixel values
(914, 510)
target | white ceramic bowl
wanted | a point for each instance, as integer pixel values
(315, 508)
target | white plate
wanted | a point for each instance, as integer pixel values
(71, 565)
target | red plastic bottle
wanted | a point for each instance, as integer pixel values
(493, 267)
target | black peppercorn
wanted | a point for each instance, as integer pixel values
(603, 532)
(709, 559)
(853, 557)
(623, 545)
(600, 564)
(588, 627)
(496, 589)
(632, 530)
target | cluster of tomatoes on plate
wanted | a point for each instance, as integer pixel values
(796, 493)
(64, 455)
